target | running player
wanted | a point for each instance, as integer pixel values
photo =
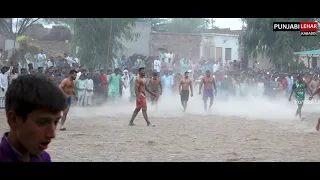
(299, 88)
(310, 98)
(67, 87)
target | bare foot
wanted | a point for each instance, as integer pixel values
(63, 129)
(131, 124)
(318, 125)
(150, 125)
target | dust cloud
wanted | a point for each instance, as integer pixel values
(249, 107)
(240, 129)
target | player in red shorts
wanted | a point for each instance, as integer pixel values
(140, 89)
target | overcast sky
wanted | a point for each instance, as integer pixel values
(232, 23)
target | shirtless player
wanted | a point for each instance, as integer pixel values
(140, 91)
(155, 87)
(67, 87)
(310, 98)
(314, 84)
(209, 83)
(185, 83)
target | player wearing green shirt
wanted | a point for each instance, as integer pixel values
(299, 88)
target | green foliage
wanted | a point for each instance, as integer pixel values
(22, 39)
(296, 66)
(259, 37)
(92, 35)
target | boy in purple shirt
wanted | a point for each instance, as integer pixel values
(33, 106)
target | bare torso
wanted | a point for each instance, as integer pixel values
(154, 84)
(313, 85)
(141, 85)
(67, 86)
(185, 83)
(208, 82)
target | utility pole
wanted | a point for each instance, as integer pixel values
(212, 23)
(14, 41)
(109, 43)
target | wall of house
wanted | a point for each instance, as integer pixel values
(207, 47)
(227, 41)
(183, 45)
(304, 59)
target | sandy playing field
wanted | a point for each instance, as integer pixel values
(238, 130)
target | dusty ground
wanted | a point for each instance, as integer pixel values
(106, 136)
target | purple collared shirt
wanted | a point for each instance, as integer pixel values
(9, 154)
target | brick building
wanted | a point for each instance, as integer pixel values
(220, 44)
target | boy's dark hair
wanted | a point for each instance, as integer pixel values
(72, 71)
(33, 92)
(140, 69)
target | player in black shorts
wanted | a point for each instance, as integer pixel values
(185, 85)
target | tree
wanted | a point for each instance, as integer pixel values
(25, 52)
(93, 37)
(157, 24)
(259, 37)
(10, 26)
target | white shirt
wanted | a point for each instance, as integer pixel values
(42, 56)
(78, 75)
(70, 61)
(4, 79)
(215, 68)
(157, 65)
(49, 64)
(89, 84)
(41, 60)
(171, 56)
(168, 55)
(126, 80)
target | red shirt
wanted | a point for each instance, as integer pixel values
(284, 83)
(103, 79)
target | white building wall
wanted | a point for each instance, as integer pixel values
(207, 43)
(228, 41)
